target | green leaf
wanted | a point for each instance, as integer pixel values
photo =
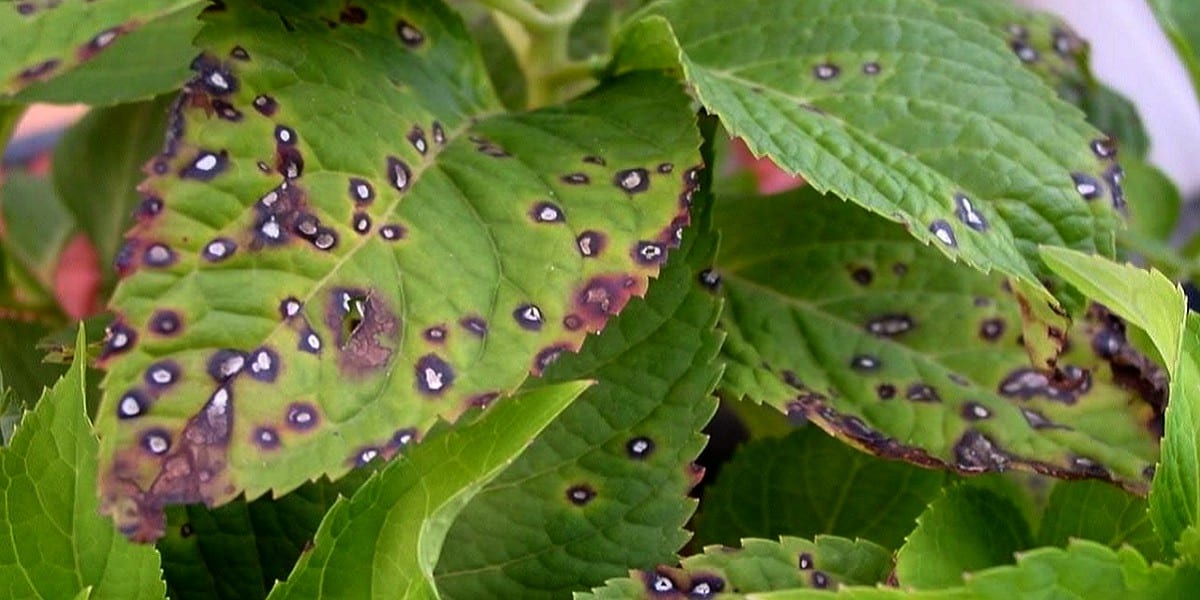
(55, 544)
(967, 529)
(1180, 19)
(1155, 209)
(914, 112)
(604, 488)
(759, 566)
(95, 53)
(238, 551)
(1085, 569)
(385, 540)
(1094, 511)
(1157, 306)
(808, 484)
(840, 317)
(97, 165)
(369, 269)
(1118, 117)
(37, 227)
(24, 370)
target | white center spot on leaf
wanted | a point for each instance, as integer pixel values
(130, 407)
(206, 162)
(158, 254)
(313, 341)
(218, 80)
(262, 362)
(271, 229)
(157, 444)
(161, 376)
(433, 379)
(662, 584)
(120, 340)
(218, 403)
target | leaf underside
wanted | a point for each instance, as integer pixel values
(914, 112)
(298, 271)
(842, 318)
(759, 565)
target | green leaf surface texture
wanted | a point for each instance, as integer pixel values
(1157, 306)
(967, 529)
(31, 253)
(1091, 510)
(1180, 20)
(809, 484)
(239, 550)
(912, 111)
(365, 271)
(53, 542)
(758, 565)
(604, 488)
(1084, 569)
(95, 52)
(841, 317)
(98, 164)
(385, 540)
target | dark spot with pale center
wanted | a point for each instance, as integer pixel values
(166, 322)
(806, 561)
(865, 362)
(416, 137)
(434, 375)
(288, 161)
(149, 207)
(591, 243)
(1114, 176)
(264, 365)
(529, 317)
(364, 456)
(885, 391)
(666, 168)
(1038, 420)
(546, 212)
(361, 191)
(890, 325)
(633, 181)
(920, 392)
(1086, 185)
(572, 322)
(206, 165)
(973, 411)
(39, 70)
(225, 364)
(361, 222)
(705, 586)
(710, 279)
(1090, 467)
(132, 404)
(581, 494)
(366, 330)
(639, 448)
(409, 34)
(819, 580)
(301, 416)
(967, 213)
(161, 375)
(265, 438)
(309, 341)
(239, 53)
(602, 297)
(156, 441)
(576, 179)
(227, 111)
(976, 453)
(289, 307)
(826, 71)
(1104, 147)
(649, 253)
(475, 325)
(871, 68)
(118, 338)
(159, 256)
(944, 233)
(546, 357)
(392, 232)
(1024, 51)
(436, 334)
(398, 173)
(992, 329)
(219, 249)
(218, 80)
(862, 276)
(265, 105)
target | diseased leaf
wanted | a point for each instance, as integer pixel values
(53, 543)
(98, 164)
(385, 540)
(1093, 511)
(809, 484)
(841, 317)
(1084, 569)
(238, 551)
(967, 529)
(604, 488)
(914, 112)
(1157, 306)
(370, 269)
(759, 566)
(98, 53)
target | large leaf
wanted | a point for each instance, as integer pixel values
(368, 269)
(825, 563)
(604, 488)
(809, 484)
(385, 540)
(1180, 19)
(53, 543)
(912, 111)
(841, 317)
(98, 164)
(967, 529)
(1157, 306)
(1085, 569)
(99, 53)
(1093, 511)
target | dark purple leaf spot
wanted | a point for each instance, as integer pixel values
(156, 441)
(967, 213)
(398, 173)
(1038, 420)
(392, 232)
(159, 256)
(361, 222)
(301, 416)
(436, 334)
(266, 438)
(363, 457)
(285, 135)
(361, 191)
(39, 70)
(806, 561)
(264, 365)
(576, 179)
(218, 81)
(1104, 147)
(239, 53)
(862, 276)
(439, 134)
(639, 448)
(162, 374)
(885, 391)
(166, 322)
(225, 364)
(149, 207)
(572, 322)
(633, 181)
(973, 411)
(890, 325)
(1024, 51)
(546, 212)
(660, 584)
(474, 325)
(227, 111)
(309, 342)
(976, 453)
(529, 317)
(592, 159)
(483, 400)
(1086, 185)
(826, 71)
(666, 168)
(546, 357)
(99, 42)
(434, 376)
(710, 279)
(325, 239)
(265, 105)
(410, 35)
(991, 329)
(1114, 176)
(289, 307)
(871, 68)
(865, 362)
(206, 165)
(920, 392)
(591, 243)
(403, 438)
(819, 580)
(1090, 467)
(649, 253)
(416, 137)
(944, 233)
(118, 338)
(581, 494)
(133, 404)
(219, 249)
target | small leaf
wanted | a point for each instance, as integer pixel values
(1084, 569)
(1153, 303)
(840, 317)
(967, 529)
(54, 542)
(809, 484)
(95, 53)
(604, 489)
(914, 112)
(1094, 511)
(826, 563)
(370, 269)
(385, 540)
(98, 164)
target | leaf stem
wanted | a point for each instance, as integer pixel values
(539, 38)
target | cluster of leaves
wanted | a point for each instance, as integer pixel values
(513, 232)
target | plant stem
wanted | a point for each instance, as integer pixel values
(539, 38)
